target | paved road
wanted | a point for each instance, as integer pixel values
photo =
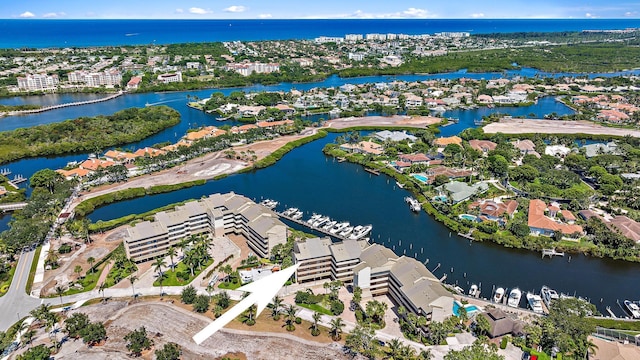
(16, 304)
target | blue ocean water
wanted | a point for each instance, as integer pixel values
(62, 33)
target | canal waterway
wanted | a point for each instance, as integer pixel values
(306, 179)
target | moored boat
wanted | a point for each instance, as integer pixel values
(360, 232)
(473, 291)
(314, 218)
(297, 215)
(346, 231)
(514, 298)
(535, 303)
(497, 296)
(632, 308)
(548, 294)
(337, 228)
(328, 226)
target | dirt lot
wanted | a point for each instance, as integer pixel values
(397, 120)
(525, 126)
(170, 323)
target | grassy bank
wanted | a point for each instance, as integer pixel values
(278, 154)
(88, 206)
(114, 223)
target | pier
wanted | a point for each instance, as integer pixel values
(372, 171)
(320, 230)
(5, 172)
(60, 106)
(12, 206)
(551, 253)
(468, 235)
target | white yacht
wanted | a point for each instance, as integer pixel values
(297, 215)
(361, 232)
(337, 228)
(414, 204)
(497, 296)
(328, 226)
(535, 303)
(346, 231)
(548, 294)
(473, 291)
(270, 204)
(320, 221)
(514, 298)
(290, 211)
(314, 218)
(633, 309)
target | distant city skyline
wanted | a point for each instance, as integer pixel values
(327, 9)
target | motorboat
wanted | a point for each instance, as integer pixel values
(290, 211)
(514, 298)
(328, 226)
(414, 204)
(361, 232)
(473, 291)
(497, 296)
(320, 221)
(548, 294)
(337, 228)
(268, 203)
(535, 303)
(297, 215)
(632, 308)
(346, 231)
(314, 218)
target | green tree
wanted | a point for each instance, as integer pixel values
(476, 351)
(40, 352)
(315, 330)
(188, 295)
(336, 328)
(201, 303)
(45, 178)
(137, 341)
(482, 326)
(291, 316)
(91, 260)
(93, 333)
(170, 351)
(276, 304)
(59, 291)
(223, 299)
(362, 341)
(440, 179)
(74, 324)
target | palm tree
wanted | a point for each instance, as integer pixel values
(336, 329)
(315, 331)
(91, 261)
(171, 252)
(250, 313)
(395, 347)
(77, 270)
(59, 291)
(227, 270)
(161, 278)
(291, 317)
(425, 355)
(157, 265)
(51, 327)
(132, 280)
(275, 311)
(101, 289)
(28, 336)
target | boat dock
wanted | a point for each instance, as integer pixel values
(551, 253)
(60, 106)
(5, 172)
(318, 229)
(468, 235)
(372, 171)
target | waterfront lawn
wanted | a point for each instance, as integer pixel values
(633, 326)
(182, 275)
(317, 308)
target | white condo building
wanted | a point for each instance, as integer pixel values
(170, 78)
(218, 215)
(37, 82)
(95, 79)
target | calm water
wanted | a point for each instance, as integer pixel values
(306, 179)
(63, 33)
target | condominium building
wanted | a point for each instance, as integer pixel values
(246, 69)
(95, 79)
(38, 82)
(217, 215)
(377, 271)
(170, 78)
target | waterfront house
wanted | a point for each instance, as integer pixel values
(495, 210)
(363, 147)
(134, 83)
(483, 146)
(596, 149)
(460, 191)
(419, 158)
(502, 324)
(557, 150)
(149, 151)
(526, 147)
(542, 224)
(394, 136)
(121, 157)
(204, 133)
(95, 164)
(448, 172)
(73, 173)
(626, 227)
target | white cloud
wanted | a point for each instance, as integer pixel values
(477, 15)
(359, 14)
(199, 11)
(53, 15)
(27, 14)
(590, 16)
(179, 11)
(415, 12)
(265, 16)
(631, 13)
(236, 9)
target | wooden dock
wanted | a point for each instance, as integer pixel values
(372, 171)
(60, 106)
(320, 230)
(551, 253)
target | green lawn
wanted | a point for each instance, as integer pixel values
(316, 308)
(4, 286)
(88, 282)
(117, 274)
(32, 271)
(615, 324)
(229, 285)
(173, 279)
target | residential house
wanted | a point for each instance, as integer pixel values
(363, 147)
(444, 141)
(483, 146)
(542, 224)
(502, 324)
(394, 136)
(460, 191)
(495, 210)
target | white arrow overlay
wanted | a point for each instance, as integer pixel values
(262, 291)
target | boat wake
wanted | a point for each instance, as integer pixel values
(162, 102)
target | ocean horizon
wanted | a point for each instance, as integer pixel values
(45, 33)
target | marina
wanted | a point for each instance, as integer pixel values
(327, 226)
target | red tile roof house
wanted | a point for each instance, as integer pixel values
(541, 224)
(414, 158)
(494, 211)
(483, 146)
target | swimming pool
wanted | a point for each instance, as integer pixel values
(420, 178)
(468, 217)
(470, 308)
(441, 198)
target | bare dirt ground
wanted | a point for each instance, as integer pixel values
(166, 322)
(397, 120)
(100, 246)
(525, 126)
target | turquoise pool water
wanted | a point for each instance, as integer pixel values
(468, 217)
(420, 178)
(470, 308)
(441, 198)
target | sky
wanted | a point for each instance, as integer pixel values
(323, 9)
